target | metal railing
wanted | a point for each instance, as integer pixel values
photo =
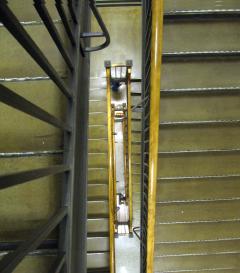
(129, 144)
(114, 167)
(152, 57)
(111, 171)
(71, 217)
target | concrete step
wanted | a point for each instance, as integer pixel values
(97, 207)
(40, 135)
(97, 145)
(97, 131)
(97, 160)
(97, 191)
(215, 211)
(96, 224)
(97, 106)
(28, 206)
(25, 10)
(38, 264)
(97, 176)
(194, 263)
(172, 5)
(192, 36)
(26, 66)
(98, 260)
(98, 118)
(199, 164)
(182, 74)
(210, 247)
(97, 242)
(198, 189)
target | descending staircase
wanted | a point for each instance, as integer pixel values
(198, 192)
(98, 226)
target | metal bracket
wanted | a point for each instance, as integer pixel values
(104, 33)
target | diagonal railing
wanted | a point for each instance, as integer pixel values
(152, 58)
(111, 171)
(71, 217)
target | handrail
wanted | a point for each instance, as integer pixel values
(155, 77)
(114, 166)
(124, 125)
(110, 172)
(129, 139)
(104, 32)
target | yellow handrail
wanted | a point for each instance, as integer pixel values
(114, 165)
(129, 136)
(124, 125)
(110, 175)
(155, 77)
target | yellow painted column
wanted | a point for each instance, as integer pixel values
(155, 79)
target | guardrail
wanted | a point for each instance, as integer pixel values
(152, 58)
(129, 144)
(111, 171)
(71, 217)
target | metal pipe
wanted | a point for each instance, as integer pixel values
(110, 173)
(155, 78)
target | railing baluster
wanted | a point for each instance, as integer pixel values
(12, 99)
(110, 171)
(11, 260)
(47, 20)
(58, 264)
(11, 22)
(154, 106)
(129, 145)
(72, 11)
(13, 179)
(65, 22)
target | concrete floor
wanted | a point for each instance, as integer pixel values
(127, 255)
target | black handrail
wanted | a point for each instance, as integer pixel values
(104, 33)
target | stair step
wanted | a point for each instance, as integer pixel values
(97, 131)
(26, 66)
(40, 135)
(98, 118)
(97, 191)
(186, 5)
(97, 207)
(26, 12)
(98, 145)
(97, 160)
(97, 224)
(97, 176)
(98, 260)
(97, 106)
(98, 242)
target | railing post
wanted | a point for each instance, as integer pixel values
(155, 76)
(129, 140)
(110, 171)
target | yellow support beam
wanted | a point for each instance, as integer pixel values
(110, 175)
(155, 79)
